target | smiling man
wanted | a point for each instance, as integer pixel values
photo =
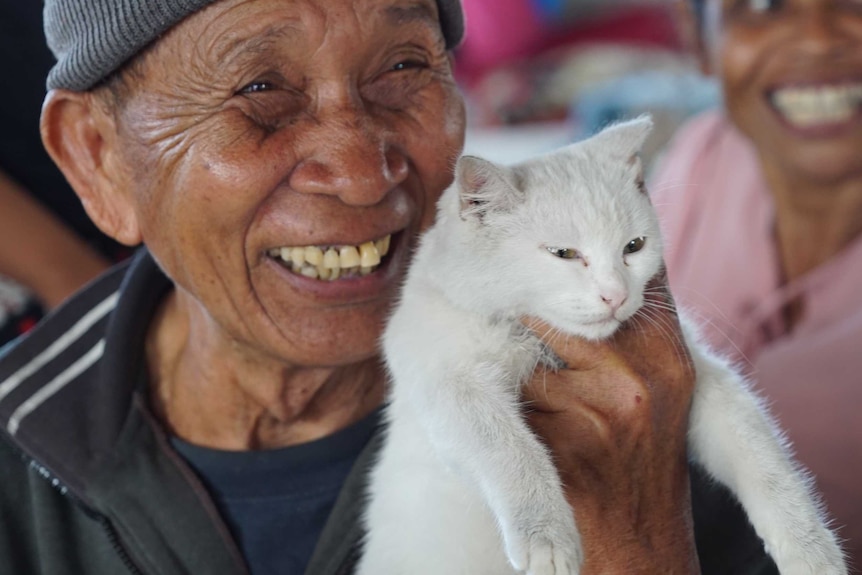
(212, 406)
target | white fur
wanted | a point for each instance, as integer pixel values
(462, 485)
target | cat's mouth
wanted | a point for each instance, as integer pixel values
(598, 328)
(607, 322)
(329, 263)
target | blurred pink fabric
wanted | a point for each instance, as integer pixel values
(717, 220)
(502, 32)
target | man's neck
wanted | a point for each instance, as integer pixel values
(208, 392)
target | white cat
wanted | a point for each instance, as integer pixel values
(462, 485)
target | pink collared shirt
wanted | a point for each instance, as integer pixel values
(717, 220)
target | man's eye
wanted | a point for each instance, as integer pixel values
(256, 87)
(408, 65)
(564, 253)
(635, 245)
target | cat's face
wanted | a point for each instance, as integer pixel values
(574, 238)
(589, 252)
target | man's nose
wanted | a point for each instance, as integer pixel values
(352, 156)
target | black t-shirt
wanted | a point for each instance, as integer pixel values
(276, 502)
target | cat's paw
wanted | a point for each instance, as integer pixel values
(813, 555)
(540, 554)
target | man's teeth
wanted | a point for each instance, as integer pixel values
(814, 105)
(332, 262)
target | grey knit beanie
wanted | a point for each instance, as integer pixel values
(93, 38)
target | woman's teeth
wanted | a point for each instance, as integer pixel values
(817, 105)
(333, 262)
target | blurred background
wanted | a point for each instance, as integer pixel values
(540, 73)
(536, 74)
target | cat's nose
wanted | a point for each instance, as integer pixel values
(614, 300)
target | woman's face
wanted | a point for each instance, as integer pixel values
(270, 142)
(792, 77)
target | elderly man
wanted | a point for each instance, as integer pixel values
(212, 406)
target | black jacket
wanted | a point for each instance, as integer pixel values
(89, 484)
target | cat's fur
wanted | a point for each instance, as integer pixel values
(462, 485)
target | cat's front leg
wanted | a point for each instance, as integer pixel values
(735, 439)
(477, 426)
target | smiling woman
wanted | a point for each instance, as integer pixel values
(212, 406)
(762, 206)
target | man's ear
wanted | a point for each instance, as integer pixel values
(81, 137)
(691, 28)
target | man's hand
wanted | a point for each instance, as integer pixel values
(615, 419)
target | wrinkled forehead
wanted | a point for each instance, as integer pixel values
(230, 27)
(234, 42)
(93, 39)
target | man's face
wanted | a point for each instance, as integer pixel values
(265, 132)
(792, 77)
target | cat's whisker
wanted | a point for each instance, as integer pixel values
(656, 315)
(637, 323)
(658, 295)
(555, 335)
(669, 186)
(666, 328)
(658, 309)
(703, 319)
(663, 306)
(662, 330)
(545, 384)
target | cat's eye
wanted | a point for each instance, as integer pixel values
(635, 245)
(564, 253)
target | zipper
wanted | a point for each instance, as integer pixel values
(117, 545)
(110, 531)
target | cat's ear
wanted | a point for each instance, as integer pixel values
(485, 187)
(625, 139)
(636, 167)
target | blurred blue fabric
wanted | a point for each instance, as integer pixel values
(673, 95)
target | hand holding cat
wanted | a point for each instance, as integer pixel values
(615, 419)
